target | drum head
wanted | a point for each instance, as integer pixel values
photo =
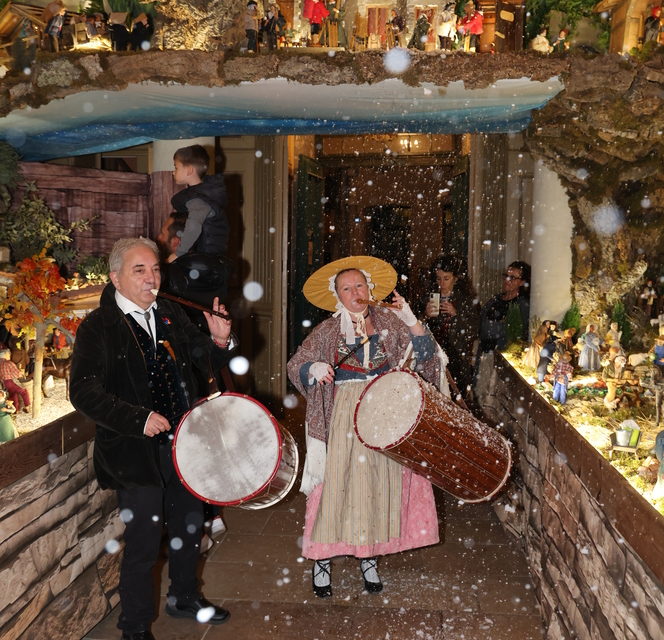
(388, 409)
(227, 449)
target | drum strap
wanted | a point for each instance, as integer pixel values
(408, 355)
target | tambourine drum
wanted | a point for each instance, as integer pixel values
(409, 420)
(230, 451)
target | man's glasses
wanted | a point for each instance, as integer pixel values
(508, 276)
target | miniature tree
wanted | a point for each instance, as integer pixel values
(619, 315)
(572, 318)
(513, 323)
(33, 301)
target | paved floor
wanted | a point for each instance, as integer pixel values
(473, 585)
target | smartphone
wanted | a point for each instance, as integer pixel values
(435, 298)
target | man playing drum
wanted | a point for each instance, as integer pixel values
(360, 502)
(134, 373)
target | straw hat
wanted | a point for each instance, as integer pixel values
(317, 287)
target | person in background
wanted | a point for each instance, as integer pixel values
(541, 42)
(561, 44)
(589, 344)
(7, 426)
(658, 490)
(471, 27)
(251, 26)
(531, 357)
(397, 26)
(272, 25)
(55, 24)
(134, 375)
(453, 318)
(653, 25)
(203, 202)
(447, 33)
(548, 350)
(203, 243)
(562, 376)
(9, 375)
(58, 340)
(170, 235)
(360, 502)
(141, 32)
(494, 314)
(420, 33)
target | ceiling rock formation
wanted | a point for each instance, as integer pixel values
(604, 136)
(52, 76)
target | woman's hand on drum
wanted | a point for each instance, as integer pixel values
(156, 424)
(321, 372)
(220, 328)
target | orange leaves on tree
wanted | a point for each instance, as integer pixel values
(33, 296)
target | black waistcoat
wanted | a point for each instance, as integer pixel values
(166, 389)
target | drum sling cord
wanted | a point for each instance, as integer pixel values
(353, 351)
(457, 397)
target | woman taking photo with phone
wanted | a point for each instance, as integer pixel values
(452, 315)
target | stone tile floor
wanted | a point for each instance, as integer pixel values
(474, 585)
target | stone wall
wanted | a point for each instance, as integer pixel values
(594, 545)
(57, 579)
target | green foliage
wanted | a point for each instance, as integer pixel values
(513, 324)
(9, 173)
(132, 7)
(31, 225)
(23, 56)
(572, 318)
(619, 315)
(94, 269)
(647, 51)
(538, 14)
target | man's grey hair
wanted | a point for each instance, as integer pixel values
(4, 353)
(123, 245)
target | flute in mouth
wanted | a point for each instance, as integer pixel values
(189, 303)
(379, 303)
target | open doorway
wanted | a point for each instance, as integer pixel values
(403, 198)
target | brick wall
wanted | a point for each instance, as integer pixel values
(594, 545)
(57, 579)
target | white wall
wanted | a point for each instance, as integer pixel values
(551, 261)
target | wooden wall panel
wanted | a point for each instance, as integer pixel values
(119, 203)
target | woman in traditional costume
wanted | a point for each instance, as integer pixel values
(360, 502)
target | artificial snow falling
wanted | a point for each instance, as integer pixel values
(550, 542)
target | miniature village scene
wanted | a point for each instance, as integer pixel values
(504, 158)
(609, 391)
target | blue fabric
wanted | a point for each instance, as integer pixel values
(659, 452)
(96, 138)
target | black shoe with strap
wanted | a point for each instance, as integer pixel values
(137, 635)
(201, 610)
(372, 582)
(321, 574)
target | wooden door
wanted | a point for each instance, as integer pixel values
(509, 26)
(377, 19)
(307, 251)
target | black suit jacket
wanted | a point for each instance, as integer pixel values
(109, 384)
